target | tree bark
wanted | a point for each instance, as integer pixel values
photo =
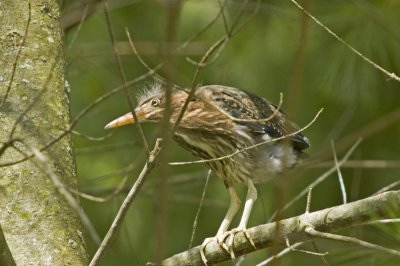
(39, 226)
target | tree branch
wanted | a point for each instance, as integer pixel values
(265, 235)
(6, 257)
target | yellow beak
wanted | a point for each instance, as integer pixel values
(125, 120)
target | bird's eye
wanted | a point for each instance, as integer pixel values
(155, 102)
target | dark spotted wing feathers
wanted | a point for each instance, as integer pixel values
(249, 109)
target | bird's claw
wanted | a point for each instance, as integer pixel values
(221, 242)
(231, 237)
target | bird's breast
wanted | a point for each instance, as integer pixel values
(226, 163)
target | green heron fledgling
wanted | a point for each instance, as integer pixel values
(222, 120)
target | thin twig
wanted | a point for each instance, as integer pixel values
(213, 50)
(280, 254)
(216, 54)
(318, 253)
(309, 195)
(205, 57)
(238, 18)
(314, 244)
(221, 6)
(194, 81)
(82, 20)
(194, 227)
(173, 9)
(383, 221)
(304, 251)
(76, 133)
(115, 192)
(340, 177)
(122, 72)
(112, 231)
(21, 45)
(376, 66)
(249, 18)
(312, 232)
(45, 166)
(362, 164)
(128, 35)
(388, 187)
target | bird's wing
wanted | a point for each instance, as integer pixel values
(250, 110)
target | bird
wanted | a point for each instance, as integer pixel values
(242, 137)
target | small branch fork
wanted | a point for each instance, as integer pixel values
(302, 228)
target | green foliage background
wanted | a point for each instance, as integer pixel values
(279, 50)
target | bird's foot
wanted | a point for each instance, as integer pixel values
(221, 242)
(230, 235)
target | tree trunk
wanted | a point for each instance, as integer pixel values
(39, 226)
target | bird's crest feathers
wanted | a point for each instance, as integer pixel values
(151, 89)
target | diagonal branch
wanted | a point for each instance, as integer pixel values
(266, 235)
(6, 257)
(125, 205)
(354, 50)
(311, 231)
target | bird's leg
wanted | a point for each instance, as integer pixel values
(220, 236)
(250, 199)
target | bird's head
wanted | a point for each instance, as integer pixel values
(151, 106)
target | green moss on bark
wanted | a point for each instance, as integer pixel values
(39, 226)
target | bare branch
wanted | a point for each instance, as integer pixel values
(122, 72)
(363, 164)
(199, 209)
(340, 177)
(384, 221)
(6, 257)
(279, 255)
(81, 21)
(125, 205)
(387, 188)
(309, 195)
(354, 50)
(266, 235)
(116, 191)
(76, 133)
(45, 166)
(304, 251)
(311, 231)
(234, 29)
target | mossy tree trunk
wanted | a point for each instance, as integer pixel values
(39, 226)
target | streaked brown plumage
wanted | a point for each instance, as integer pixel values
(219, 121)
